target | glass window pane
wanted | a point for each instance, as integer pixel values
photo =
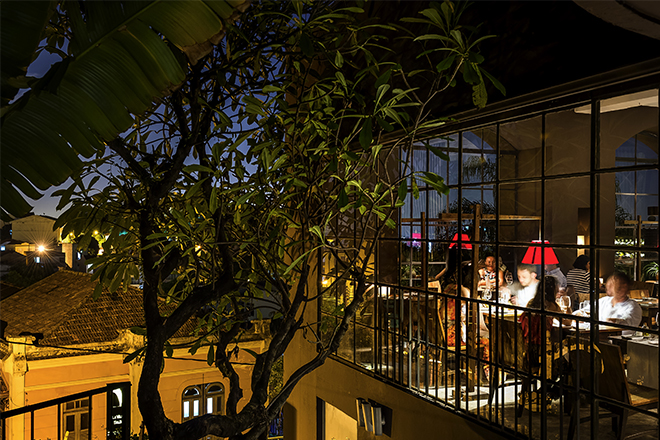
(195, 411)
(191, 391)
(629, 130)
(520, 149)
(186, 409)
(567, 142)
(214, 388)
(84, 421)
(567, 212)
(520, 211)
(454, 159)
(209, 405)
(70, 423)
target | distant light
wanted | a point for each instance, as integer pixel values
(37, 259)
(41, 248)
(2, 248)
(96, 232)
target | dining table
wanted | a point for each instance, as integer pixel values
(649, 309)
(642, 367)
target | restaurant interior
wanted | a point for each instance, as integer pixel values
(460, 310)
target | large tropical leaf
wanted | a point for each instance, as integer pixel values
(123, 56)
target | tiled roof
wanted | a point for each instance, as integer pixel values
(61, 308)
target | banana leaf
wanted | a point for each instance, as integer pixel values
(123, 57)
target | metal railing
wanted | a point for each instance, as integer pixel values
(118, 417)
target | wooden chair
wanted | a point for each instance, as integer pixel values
(512, 354)
(611, 382)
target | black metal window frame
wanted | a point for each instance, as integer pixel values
(416, 377)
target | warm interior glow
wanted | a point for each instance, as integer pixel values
(41, 248)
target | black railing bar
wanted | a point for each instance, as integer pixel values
(90, 418)
(41, 405)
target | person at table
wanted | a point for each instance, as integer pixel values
(530, 321)
(554, 271)
(617, 307)
(490, 274)
(578, 277)
(523, 290)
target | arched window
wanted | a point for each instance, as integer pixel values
(202, 399)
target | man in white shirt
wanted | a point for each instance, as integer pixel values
(525, 289)
(617, 307)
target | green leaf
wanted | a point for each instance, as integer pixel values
(210, 356)
(339, 59)
(434, 181)
(342, 200)
(380, 92)
(470, 74)
(316, 230)
(383, 79)
(169, 350)
(438, 152)
(498, 85)
(306, 45)
(433, 15)
(434, 37)
(366, 134)
(446, 63)
(141, 331)
(403, 189)
(479, 95)
(270, 88)
(98, 289)
(253, 353)
(415, 189)
(133, 355)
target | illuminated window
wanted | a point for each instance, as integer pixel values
(75, 419)
(202, 399)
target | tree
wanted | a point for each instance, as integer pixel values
(229, 190)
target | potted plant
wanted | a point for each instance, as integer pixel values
(651, 271)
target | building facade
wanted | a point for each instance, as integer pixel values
(59, 341)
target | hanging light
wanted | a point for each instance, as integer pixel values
(540, 255)
(464, 242)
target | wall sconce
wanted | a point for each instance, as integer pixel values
(373, 417)
(580, 242)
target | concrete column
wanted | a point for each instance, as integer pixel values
(15, 367)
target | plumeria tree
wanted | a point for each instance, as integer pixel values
(221, 196)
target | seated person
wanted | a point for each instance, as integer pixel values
(489, 275)
(617, 307)
(525, 288)
(579, 277)
(555, 271)
(531, 322)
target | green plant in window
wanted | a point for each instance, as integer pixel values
(651, 270)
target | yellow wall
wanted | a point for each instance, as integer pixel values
(53, 378)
